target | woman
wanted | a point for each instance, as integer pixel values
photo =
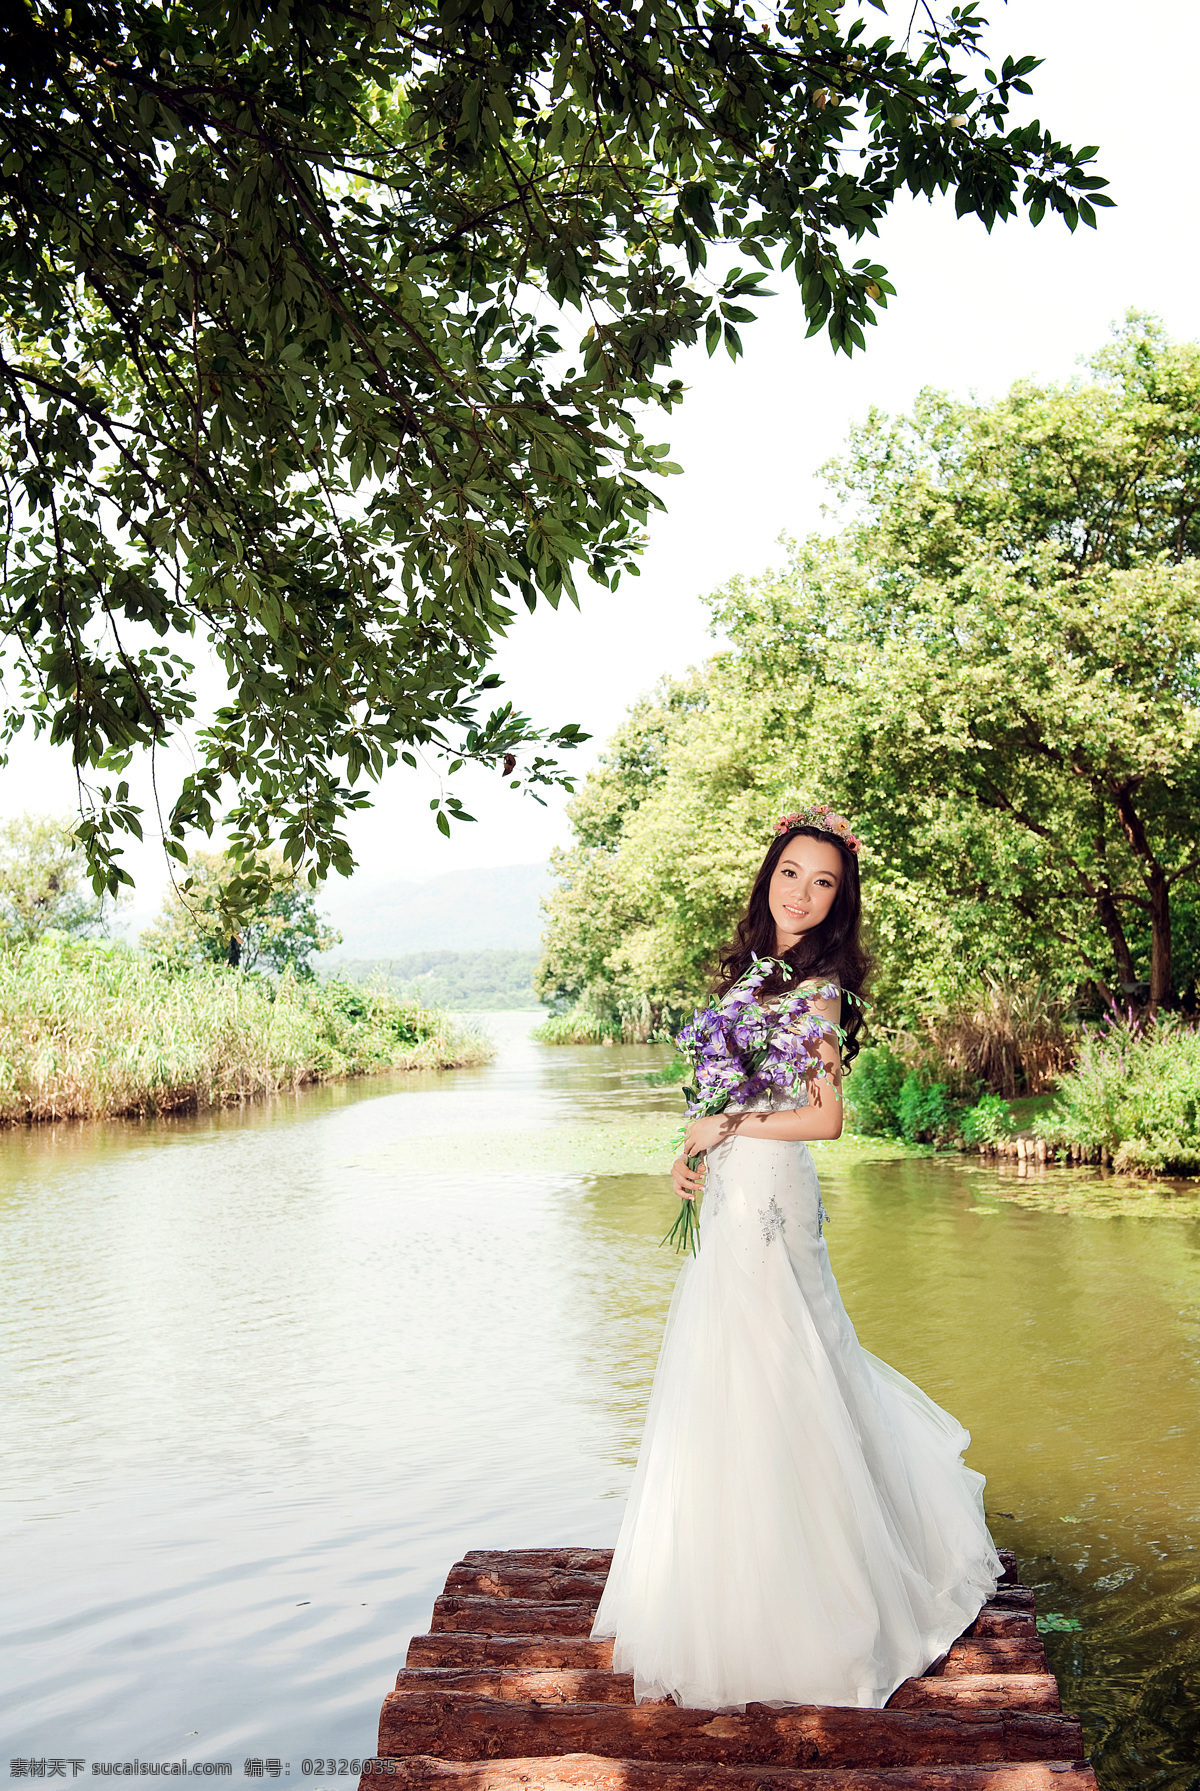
(801, 1527)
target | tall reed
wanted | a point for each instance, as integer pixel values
(1011, 1036)
(88, 1031)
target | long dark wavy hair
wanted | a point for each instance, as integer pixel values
(834, 949)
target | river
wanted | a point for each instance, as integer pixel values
(271, 1371)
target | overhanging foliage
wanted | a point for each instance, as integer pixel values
(280, 350)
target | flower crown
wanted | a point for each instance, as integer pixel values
(819, 815)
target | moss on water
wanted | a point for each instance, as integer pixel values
(636, 1147)
(1098, 1196)
(647, 1147)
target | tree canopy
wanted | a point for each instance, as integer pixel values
(43, 881)
(994, 667)
(282, 355)
(215, 918)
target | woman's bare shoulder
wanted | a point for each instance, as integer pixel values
(828, 1006)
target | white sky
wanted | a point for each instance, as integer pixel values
(972, 313)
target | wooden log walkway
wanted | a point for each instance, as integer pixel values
(508, 1689)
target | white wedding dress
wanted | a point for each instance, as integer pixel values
(801, 1527)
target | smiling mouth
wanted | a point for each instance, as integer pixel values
(800, 913)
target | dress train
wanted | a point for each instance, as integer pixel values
(801, 1526)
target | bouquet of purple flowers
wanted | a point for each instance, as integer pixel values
(738, 1046)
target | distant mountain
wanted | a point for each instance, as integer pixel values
(490, 909)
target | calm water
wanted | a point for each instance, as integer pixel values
(269, 1373)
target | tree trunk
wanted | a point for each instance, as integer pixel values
(1160, 939)
(1159, 888)
(1110, 920)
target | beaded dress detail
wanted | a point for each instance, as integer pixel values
(801, 1528)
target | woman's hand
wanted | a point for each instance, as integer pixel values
(689, 1183)
(707, 1132)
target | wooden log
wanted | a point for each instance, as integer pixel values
(562, 1560)
(558, 1685)
(484, 1614)
(593, 1772)
(1014, 1691)
(461, 1727)
(454, 1648)
(993, 1620)
(1014, 1598)
(512, 1616)
(509, 1689)
(988, 1654)
(994, 1654)
(501, 1584)
(550, 1585)
(995, 1691)
(537, 1653)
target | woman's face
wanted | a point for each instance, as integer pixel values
(802, 887)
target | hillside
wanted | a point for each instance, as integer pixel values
(472, 982)
(491, 909)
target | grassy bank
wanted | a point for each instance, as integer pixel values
(89, 1031)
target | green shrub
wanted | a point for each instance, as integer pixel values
(580, 1025)
(873, 1091)
(1135, 1091)
(1159, 1157)
(361, 1030)
(924, 1110)
(989, 1121)
(888, 1100)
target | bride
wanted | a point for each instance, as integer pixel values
(801, 1527)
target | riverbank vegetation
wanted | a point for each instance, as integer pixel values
(42, 884)
(90, 1029)
(1130, 1100)
(992, 666)
(1133, 1099)
(580, 1025)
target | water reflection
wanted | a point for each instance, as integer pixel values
(1071, 1346)
(272, 1370)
